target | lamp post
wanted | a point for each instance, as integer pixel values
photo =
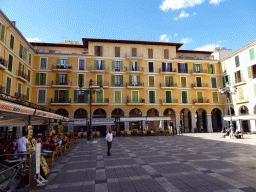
(228, 91)
(91, 92)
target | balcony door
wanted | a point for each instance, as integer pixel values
(63, 79)
(61, 96)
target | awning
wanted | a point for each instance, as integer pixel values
(240, 117)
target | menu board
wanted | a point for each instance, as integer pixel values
(45, 166)
(32, 171)
(38, 157)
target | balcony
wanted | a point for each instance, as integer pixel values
(2, 89)
(242, 100)
(106, 70)
(104, 84)
(134, 86)
(58, 84)
(57, 67)
(131, 71)
(3, 63)
(173, 102)
(193, 58)
(105, 102)
(199, 72)
(169, 86)
(22, 76)
(61, 52)
(130, 102)
(58, 101)
(173, 71)
(201, 101)
(20, 96)
(199, 85)
(134, 56)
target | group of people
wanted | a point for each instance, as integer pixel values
(234, 134)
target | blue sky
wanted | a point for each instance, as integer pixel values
(201, 24)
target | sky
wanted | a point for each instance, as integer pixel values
(199, 24)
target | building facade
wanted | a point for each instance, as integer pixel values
(146, 85)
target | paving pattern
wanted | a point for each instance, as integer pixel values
(174, 163)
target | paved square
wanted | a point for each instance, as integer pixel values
(178, 163)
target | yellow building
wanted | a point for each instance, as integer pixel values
(145, 84)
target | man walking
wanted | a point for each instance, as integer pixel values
(109, 139)
(180, 132)
(22, 145)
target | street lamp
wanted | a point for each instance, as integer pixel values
(228, 91)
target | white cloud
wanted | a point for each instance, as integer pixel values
(182, 15)
(33, 39)
(175, 35)
(180, 4)
(209, 47)
(194, 13)
(186, 40)
(215, 2)
(164, 37)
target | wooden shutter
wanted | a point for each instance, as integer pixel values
(200, 97)
(138, 79)
(171, 81)
(113, 80)
(130, 66)
(134, 52)
(117, 96)
(113, 65)
(44, 78)
(183, 82)
(237, 61)
(135, 96)
(2, 33)
(241, 93)
(199, 81)
(30, 59)
(95, 64)
(41, 96)
(184, 97)
(252, 56)
(99, 96)
(194, 67)
(121, 66)
(249, 69)
(117, 51)
(214, 82)
(138, 66)
(130, 80)
(66, 96)
(151, 97)
(101, 50)
(99, 80)
(229, 82)
(25, 51)
(21, 51)
(213, 69)
(75, 96)
(209, 69)
(29, 75)
(12, 42)
(150, 53)
(223, 82)
(58, 61)
(95, 51)
(10, 62)
(86, 96)
(67, 63)
(8, 86)
(166, 81)
(57, 79)
(201, 68)
(168, 96)
(166, 54)
(104, 65)
(215, 97)
(56, 98)
(151, 81)
(186, 67)
(37, 78)
(121, 80)
(19, 88)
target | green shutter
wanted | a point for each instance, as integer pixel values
(121, 66)
(30, 59)
(254, 85)
(67, 63)
(99, 80)
(252, 56)
(213, 69)
(113, 65)
(183, 82)
(99, 96)
(223, 82)
(201, 68)
(95, 64)
(168, 96)
(151, 97)
(199, 81)
(85, 96)
(37, 78)
(58, 61)
(10, 62)
(19, 88)
(25, 51)
(66, 96)
(166, 80)
(44, 78)
(236, 77)
(75, 96)
(113, 80)
(249, 69)
(29, 75)
(66, 78)
(135, 96)
(184, 97)
(56, 98)
(151, 81)
(2, 33)
(82, 79)
(8, 86)
(214, 82)
(215, 97)
(57, 79)
(130, 80)
(138, 79)
(121, 81)
(237, 61)
(229, 82)
(12, 42)
(194, 67)
(130, 66)
(104, 65)
(209, 69)
(117, 96)
(171, 80)
(138, 66)
(241, 93)
(200, 97)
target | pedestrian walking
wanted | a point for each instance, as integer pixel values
(109, 139)
(22, 144)
(180, 132)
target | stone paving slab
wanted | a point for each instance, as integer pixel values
(192, 162)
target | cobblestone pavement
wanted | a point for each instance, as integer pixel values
(160, 163)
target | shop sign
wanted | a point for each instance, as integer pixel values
(4, 106)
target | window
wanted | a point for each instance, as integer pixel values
(63, 79)
(240, 93)
(215, 97)
(252, 55)
(19, 90)
(152, 96)
(224, 67)
(117, 65)
(43, 63)
(200, 97)
(168, 81)
(61, 96)
(134, 80)
(117, 80)
(197, 68)
(98, 50)
(182, 68)
(251, 72)
(135, 96)
(238, 77)
(237, 61)
(183, 81)
(80, 80)
(150, 53)
(99, 64)
(99, 97)
(134, 52)
(63, 63)
(23, 52)
(30, 59)
(81, 64)
(198, 81)
(99, 80)
(28, 92)
(166, 54)
(184, 96)
(151, 80)
(166, 67)
(211, 69)
(10, 62)
(12, 42)
(168, 97)
(29, 75)
(118, 96)
(2, 31)
(80, 96)
(8, 86)
(225, 80)
(117, 51)
(41, 79)
(214, 82)
(134, 66)
(151, 67)
(41, 96)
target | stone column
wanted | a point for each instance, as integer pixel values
(238, 125)
(209, 123)
(177, 123)
(126, 126)
(143, 125)
(252, 124)
(193, 118)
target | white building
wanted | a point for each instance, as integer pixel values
(221, 52)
